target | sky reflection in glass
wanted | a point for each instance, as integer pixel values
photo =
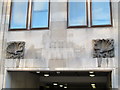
(77, 13)
(101, 13)
(19, 15)
(40, 14)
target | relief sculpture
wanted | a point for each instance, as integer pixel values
(15, 50)
(103, 48)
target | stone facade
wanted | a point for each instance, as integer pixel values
(57, 48)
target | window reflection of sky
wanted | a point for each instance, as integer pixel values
(77, 13)
(101, 13)
(19, 15)
(40, 14)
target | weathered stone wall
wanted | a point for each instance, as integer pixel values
(73, 47)
(59, 47)
(119, 45)
(3, 28)
(1, 5)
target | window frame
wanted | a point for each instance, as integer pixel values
(111, 25)
(31, 17)
(27, 17)
(77, 26)
(28, 21)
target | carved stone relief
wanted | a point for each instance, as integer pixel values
(15, 50)
(103, 48)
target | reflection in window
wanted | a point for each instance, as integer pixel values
(77, 13)
(40, 14)
(19, 15)
(101, 13)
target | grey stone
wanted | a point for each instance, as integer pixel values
(15, 50)
(103, 48)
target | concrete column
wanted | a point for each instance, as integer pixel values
(1, 6)
(3, 28)
(119, 45)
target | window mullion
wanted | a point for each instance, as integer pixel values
(89, 10)
(29, 14)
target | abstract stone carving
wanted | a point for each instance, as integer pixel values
(103, 48)
(15, 50)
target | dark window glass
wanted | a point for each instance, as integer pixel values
(40, 11)
(19, 15)
(101, 12)
(77, 15)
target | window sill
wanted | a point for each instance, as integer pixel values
(31, 29)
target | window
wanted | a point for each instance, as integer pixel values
(40, 14)
(101, 13)
(19, 15)
(77, 13)
(21, 19)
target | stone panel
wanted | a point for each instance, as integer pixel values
(15, 50)
(103, 48)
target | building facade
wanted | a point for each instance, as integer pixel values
(62, 45)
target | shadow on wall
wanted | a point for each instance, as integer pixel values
(33, 53)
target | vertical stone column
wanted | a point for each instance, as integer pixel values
(1, 5)
(1, 35)
(3, 31)
(119, 44)
(58, 32)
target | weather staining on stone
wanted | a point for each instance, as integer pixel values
(103, 48)
(15, 50)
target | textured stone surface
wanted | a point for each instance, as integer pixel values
(79, 37)
(15, 50)
(103, 48)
